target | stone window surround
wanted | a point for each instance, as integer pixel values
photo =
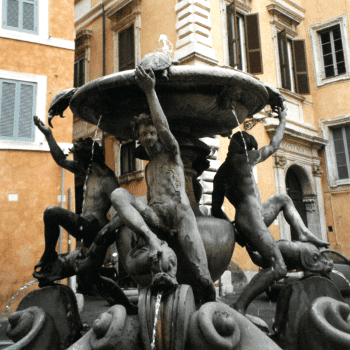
(317, 51)
(39, 143)
(331, 166)
(279, 18)
(242, 8)
(83, 50)
(138, 174)
(42, 37)
(132, 19)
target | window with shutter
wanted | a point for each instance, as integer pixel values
(79, 72)
(17, 108)
(126, 49)
(341, 144)
(293, 64)
(20, 15)
(127, 158)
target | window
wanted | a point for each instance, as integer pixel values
(17, 107)
(127, 158)
(243, 40)
(20, 15)
(293, 64)
(126, 49)
(332, 52)
(79, 72)
(341, 143)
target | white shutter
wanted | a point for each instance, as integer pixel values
(12, 13)
(7, 111)
(26, 112)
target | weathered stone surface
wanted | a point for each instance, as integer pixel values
(32, 329)
(294, 300)
(325, 325)
(58, 302)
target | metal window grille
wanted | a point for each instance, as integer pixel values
(20, 15)
(17, 107)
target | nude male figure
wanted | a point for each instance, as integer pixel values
(168, 204)
(235, 181)
(99, 187)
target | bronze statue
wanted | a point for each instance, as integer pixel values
(100, 184)
(168, 204)
(235, 181)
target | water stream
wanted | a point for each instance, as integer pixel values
(156, 317)
(25, 286)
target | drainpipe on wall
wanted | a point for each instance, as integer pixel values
(62, 204)
(103, 62)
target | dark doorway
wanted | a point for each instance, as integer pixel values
(295, 192)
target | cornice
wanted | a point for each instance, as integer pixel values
(277, 9)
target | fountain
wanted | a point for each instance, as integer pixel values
(198, 102)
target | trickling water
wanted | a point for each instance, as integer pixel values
(89, 167)
(340, 274)
(25, 286)
(156, 316)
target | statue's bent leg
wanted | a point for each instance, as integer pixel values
(282, 202)
(260, 237)
(192, 247)
(54, 217)
(129, 208)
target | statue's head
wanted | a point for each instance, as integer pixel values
(144, 130)
(249, 141)
(82, 149)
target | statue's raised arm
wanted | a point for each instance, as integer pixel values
(56, 152)
(147, 82)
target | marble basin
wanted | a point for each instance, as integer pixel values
(196, 100)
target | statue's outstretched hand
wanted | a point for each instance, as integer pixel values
(41, 126)
(145, 81)
(282, 113)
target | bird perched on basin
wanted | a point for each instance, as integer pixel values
(60, 103)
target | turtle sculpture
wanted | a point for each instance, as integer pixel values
(60, 103)
(158, 61)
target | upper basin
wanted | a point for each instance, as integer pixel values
(196, 100)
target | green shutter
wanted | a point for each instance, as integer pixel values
(300, 67)
(284, 63)
(254, 55)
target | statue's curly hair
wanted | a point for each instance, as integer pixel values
(250, 140)
(142, 119)
(83, 147)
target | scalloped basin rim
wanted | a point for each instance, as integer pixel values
(195, 99)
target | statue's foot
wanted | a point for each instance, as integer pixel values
(311, 238)
(46, 260)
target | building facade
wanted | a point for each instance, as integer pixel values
(299, 46)
(36, 62)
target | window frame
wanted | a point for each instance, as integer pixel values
(326, 126)
(130, 146)
(17, 102)
(314, 32)
(346, 149)
(290, 64)
(20, 19)
(76, 82)
(246, 44)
